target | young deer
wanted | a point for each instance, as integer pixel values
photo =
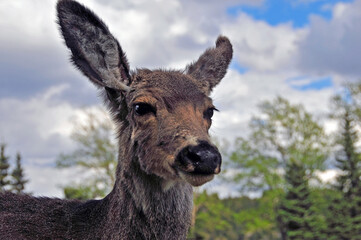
(162, 118)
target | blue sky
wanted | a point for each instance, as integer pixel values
(298, 12)
(236, 66)
(305, 83)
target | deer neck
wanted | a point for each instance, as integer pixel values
(152, 207)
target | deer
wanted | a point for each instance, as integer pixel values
(163, 119)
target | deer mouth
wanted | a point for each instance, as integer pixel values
(195, 179)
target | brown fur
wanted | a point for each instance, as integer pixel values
(162, 153)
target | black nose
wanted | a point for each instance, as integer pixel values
(202, 158)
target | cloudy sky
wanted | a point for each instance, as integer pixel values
(303, 50)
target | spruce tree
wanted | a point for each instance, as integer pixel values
(18, 181)
(348, 182)
(337, 218)
(4, 167)
(296, 209)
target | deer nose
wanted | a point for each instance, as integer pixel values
(202, 158)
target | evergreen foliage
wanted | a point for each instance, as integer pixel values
(18, 178)
(4, 169)
(297, 211)
(283, 133)
(348, 160)
(11, 181)
(347, 204)
(337, 217)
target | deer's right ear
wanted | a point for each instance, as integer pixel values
(212, 65)
(94, 49)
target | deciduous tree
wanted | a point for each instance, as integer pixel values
(96, 152)
(282, 133)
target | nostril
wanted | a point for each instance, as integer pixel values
(200, 159)
(195, 157)
(210, 157)
(204, 157)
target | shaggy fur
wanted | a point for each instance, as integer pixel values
(164, 148)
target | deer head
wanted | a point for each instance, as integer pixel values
(165, 115)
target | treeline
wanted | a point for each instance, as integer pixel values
(232, 218)
(11, 179)
(242, 218)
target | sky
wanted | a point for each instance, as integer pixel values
(303, 50)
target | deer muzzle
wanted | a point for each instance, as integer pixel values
(198, 164)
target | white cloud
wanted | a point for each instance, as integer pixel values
(47, 181)
(161, 33)
(39, 127)
(262, 47)
(328, 176)
(333, 46)
(28, 23)
(238, 96)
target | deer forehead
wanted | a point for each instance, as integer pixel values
(169, 88)
(190, 116)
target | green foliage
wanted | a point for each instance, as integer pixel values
(4, 168)
(83, 192)
(287, 132)
(232, 218)
(19, 181)
(346, 205)
(351, 98)
(258, 218)
(337, 217)
(15, 180)
(297, 211)
(283, 133)
(213, 219)
(95, 153)
(348, 160)
(259, 171)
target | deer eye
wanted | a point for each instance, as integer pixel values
(209, 112)
(143, 109)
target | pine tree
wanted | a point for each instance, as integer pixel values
(19, 181)
(296, 211)
(4, 167)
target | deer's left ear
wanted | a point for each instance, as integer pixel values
(212, 65)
